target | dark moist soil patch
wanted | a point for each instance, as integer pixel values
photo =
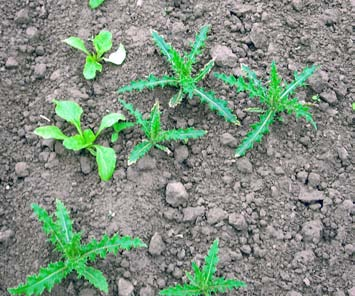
(284, 213)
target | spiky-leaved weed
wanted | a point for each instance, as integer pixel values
(75, 255)
(95, 3)
(155, 134)
(71, 112)
(203, 282)
(102, 44)
(277, 98)
(183, 78)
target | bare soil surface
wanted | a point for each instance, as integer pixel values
(284, 213)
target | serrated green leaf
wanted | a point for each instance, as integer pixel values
(75, 143)
(181, 290)
(221, 285)
(218, 105)
(254, 86)
(63, 222)
(94, 276)
(106, 162)
(49, 227)
(165, 48)
(138, 116)
(149, 83)
(204, 71)
(69, 111)
(139, 151)
(163, 148)
(300, 110)
(228, 79)
(77, 43)
(155, 126)
(47, 277)
(102, 42)
(109, 120)
(90, 68)
(275, 89)
(181, 134)
(95, 3)
(211, 261)
(50, 132)
(176, 99)
(255, 135)
(199, 43)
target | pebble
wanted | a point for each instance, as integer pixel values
(32, 33)
(147, 163)
(349, 249)
(6, 235)
(40, 70)
(146, 291)
(76, 93)
(312, 231)
(21, 169)
(303, 257)
(224, 56)
(85, 165)
(314, 179)
(55, 75)
(318, 81)
(191, 213)
(176, 194)
(216, 215)
(228, 140)
(330, 97)
(246, 249)
(125, 287)
(302, 176)
(342, 153)
(22, 16)
(156, 245)
(11, 63)
(238, 221)
(181, 153)
(297, 5)
(88, 292)
(310, 195)
(244, 165)
(258, 36)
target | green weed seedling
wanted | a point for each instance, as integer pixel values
(353, 106)
(183, 79)
(95, 3)
(277, 98)
(155, 134)
(71, 112)
(102, 44)
(75, 256)
(203, 282)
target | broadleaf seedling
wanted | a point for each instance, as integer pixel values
(85, 139)
(277, 98)
(75, 256)
(95, 3)
(155, 134)
(102, 44)
(203, 281)
(183, 79)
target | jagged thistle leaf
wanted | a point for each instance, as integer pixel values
(49, 227)
(181, 290)
(275, 88)
(64, 222)
(94, 276)
(155, 126)
(218, 105)
(204, 71)
(176, 99)
(221, 285)
(181, 134)
(211, 261)
(230, 80)
(300, 110)
(150, 83)
(109, 245)
(254, 86)
(199, 43)
(138, 115)
(139, 151)
(47, 277)
(257, 131)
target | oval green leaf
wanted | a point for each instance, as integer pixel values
(50, 132)
(69, 111)
(102, 42)
(75, 143)
(90, 68)
(77, 43)
(106, 162)
(109, 120)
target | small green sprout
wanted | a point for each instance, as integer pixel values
(74, 255)
(316, 98)
(102, 44)
(155, 134)
(183, 79)
(95, 3)
(353, 106)
(276, 98)
(203, 282)
(71, 112)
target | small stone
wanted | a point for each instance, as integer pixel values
(146, 291)
(85, 165)
(342, 153)
(246, 249)
(228, 140)
(216, 215)
(22, 17)
(302, 176)
(297, 4)
(176, 194)
(191, 213)
(318, 81)
(181, 153)
(156, 245)
(11, 63)
(76, 93)
(293, 293)
(303, 257)
(310, 196)
(32, 33)
(146, 163)
(125, 288)
(349, 249)
(312, 231)
(88, 292)
(6, 235)
(330, 97)
(258, 36)
(279, 171)
(238, 222)
(55, 75)
(244, 165)
(224, 56)
(21, 169)
(314, 179)
(40, 70)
